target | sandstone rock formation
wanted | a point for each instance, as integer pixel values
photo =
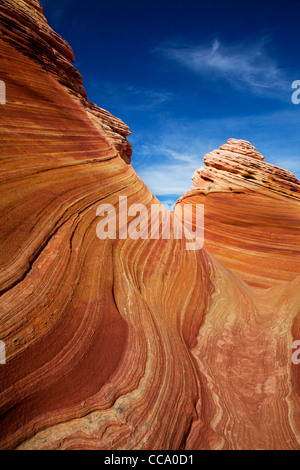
(251, 213)
(135, 344)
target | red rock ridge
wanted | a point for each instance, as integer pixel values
(238, 164)
(134, 343)
(24, 26)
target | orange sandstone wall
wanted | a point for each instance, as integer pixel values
(134, 344)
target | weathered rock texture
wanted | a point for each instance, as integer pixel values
(251, 213)
(135, 344)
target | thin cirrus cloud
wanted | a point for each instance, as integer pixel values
(181, 153)
(244, 66)
(130, 97)
(171, 174)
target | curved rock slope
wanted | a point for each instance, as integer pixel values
(252, 213)
(134, 344)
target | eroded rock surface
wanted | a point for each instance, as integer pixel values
(135, 344)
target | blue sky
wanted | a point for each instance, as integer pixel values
(187, 75)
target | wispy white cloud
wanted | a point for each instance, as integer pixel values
(244, 66)
(170, 173)
(167, 163)
(167, 179)
(168, 203)
(183, 157)
(130, 97)
(148, 98)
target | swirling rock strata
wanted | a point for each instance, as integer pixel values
(134, 344)
(251, 213)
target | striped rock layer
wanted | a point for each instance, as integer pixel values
(135, 343)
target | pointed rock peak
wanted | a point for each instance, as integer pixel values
(237, 165)
(242, 147)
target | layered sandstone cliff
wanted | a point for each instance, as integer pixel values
(251, 213)
(134, 344)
